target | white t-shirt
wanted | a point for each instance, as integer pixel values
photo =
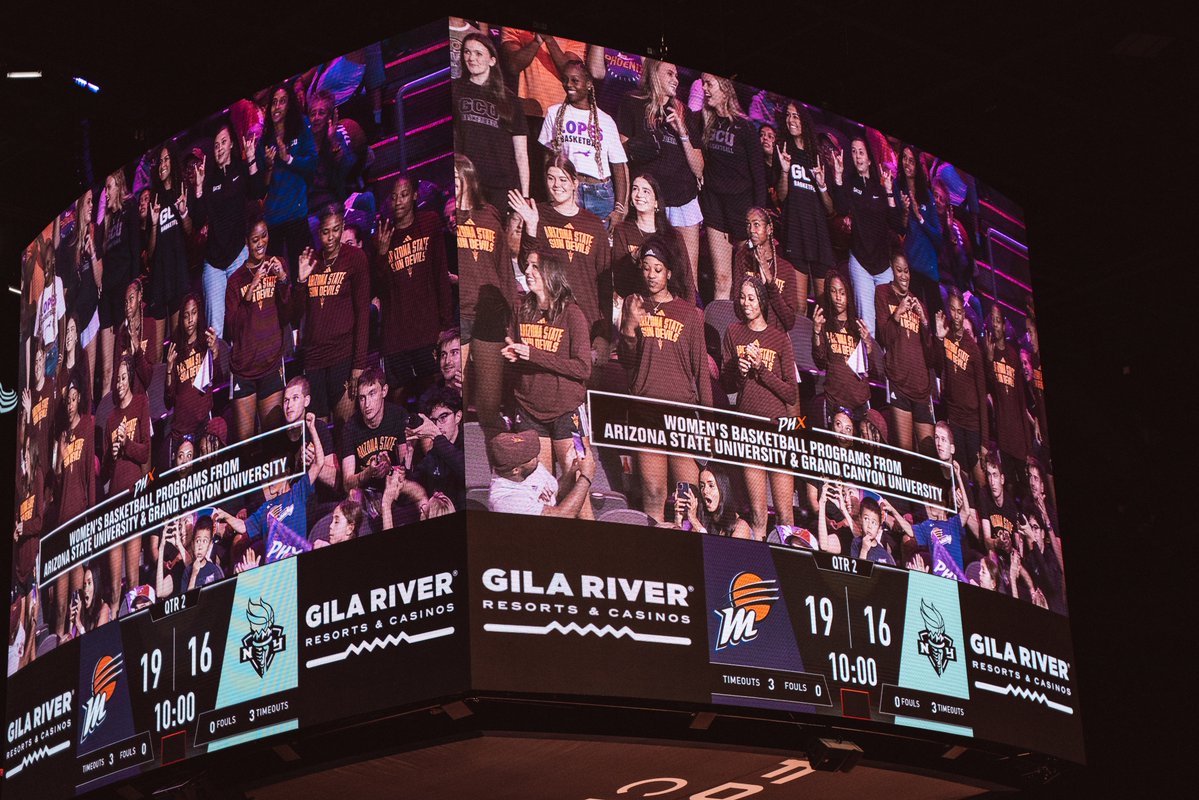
(526, 497)
(51, 308)
(579, 141)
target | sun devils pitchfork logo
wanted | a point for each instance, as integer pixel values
(750, 601)
(265, 638)
(933, 641)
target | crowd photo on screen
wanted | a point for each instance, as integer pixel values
(629, 226)
(284, 265)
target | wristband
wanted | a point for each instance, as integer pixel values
(584, 477)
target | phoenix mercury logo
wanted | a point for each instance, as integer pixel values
(104, 684)
(933, 641)
(265, 638)
(750, 600)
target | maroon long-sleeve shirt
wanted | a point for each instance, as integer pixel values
(487, 288)
(1007, 397)
(143, 370)
(963, 382)
(771, 389)
(254, 322)
(123, 470)
(908, 345)
(553, 381)
(414, 286)
(831, 352)
(580, 244)
(335, 305)
(78, 464)
(667, 357)
(191, 405)
(782, 293)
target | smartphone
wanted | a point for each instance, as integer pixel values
(577, 438)
(682, 490)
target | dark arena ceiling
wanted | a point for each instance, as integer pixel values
(1081, 114)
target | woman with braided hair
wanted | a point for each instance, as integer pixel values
(579, 130)
(760, 255)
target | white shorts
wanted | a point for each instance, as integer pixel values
(685, 216)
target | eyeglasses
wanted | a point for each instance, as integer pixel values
(440, 418)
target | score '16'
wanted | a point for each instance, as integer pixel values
(880, 632)
(201, 661)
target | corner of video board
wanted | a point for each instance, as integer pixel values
(696, 306)
(675, 303)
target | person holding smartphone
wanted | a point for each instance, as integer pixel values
(711, 510)
(903, 331)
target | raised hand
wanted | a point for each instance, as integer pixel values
(818, 321)
(838, 165)
(942, 325)
(155, 208)
(172, 354)
(383, 229)
(785, 159)
(306, 263)
(249, 561)
(526, 209)
(863, 331)
(181, 202)
(888, 178)
(210, 338)
(249, 147)
(818, 174)
(198, 170)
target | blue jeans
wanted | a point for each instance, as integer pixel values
(598, 198)
(214, 290)
(863, 290)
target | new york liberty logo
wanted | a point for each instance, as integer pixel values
(933, 641)
(750, 601)
(265, 639)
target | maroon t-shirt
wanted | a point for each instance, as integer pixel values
(78, 462)
(831, 351)
(254, 322)
(770, 390)
(30, 508)
(1007, 398)
(487, 288)
(553, 381)
(963, 382)
(580, 244)
(192, 406)
(667, 358)
(907, 343)
(133, 462)
(335, 305)
(414, 286)
(782, 293)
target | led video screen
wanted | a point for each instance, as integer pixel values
(229, 357)
(695, 306)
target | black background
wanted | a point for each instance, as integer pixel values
(1082, 114)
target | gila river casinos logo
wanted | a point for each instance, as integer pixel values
(933, 641)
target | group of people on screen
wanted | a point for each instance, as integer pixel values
(256, 273)
(611, 208)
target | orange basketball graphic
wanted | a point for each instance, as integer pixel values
(749, 591)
